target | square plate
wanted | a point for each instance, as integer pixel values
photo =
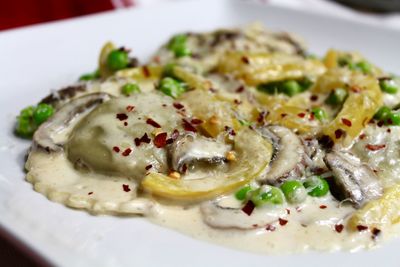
(37, 59)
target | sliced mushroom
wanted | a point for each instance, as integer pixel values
(189, 148)
(57, 98)
(288, 155)
(314, 155)
(52, 134)
(220, 216)
(353, 180)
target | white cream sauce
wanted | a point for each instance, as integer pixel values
(386, 160)
(290, 228)
(308, 225)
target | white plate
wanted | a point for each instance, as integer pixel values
(37, 59)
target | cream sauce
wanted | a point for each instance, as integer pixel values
(310, 226)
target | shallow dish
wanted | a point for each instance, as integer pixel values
(53, 55)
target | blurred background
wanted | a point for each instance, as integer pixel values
(27, 12)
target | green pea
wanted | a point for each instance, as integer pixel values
(305, 84)
(394, 118)
(389, 86)
(25, 126)
(294, 191)
(270, 88)
(130, 88)
(243, 192)
(320, 114)
(172, 87)
(27, 112)
(117, 60)
(291, 87)
(178, 45)
(362, 66)
(90, 76)
(337, 97)
(344, 61)
(42, 113)
(267, 195)
(316, 186)
(383, 113)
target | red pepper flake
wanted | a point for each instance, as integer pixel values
(283, 115)
(240, 89)
(164, 105)
(122, 116)
(375, 147)
(312, 116)
(339, 227)
(375, 171)
(346, 122)
(283, 222)
(261, 116)
(125, 123)
(361, 228)
(169, 141)
(146, 71)
(230, 131)
(323, 207)
(245, 60)
(237, 101)
(130, 108)
(255, 225)
(375, 233)
(153, 123)
(137, 141)
(184, 168)
(143, 139)
(248, 208)
(188, 126)
(148, 167)
(126, 188)
(116, 149)
(288, 211)
(196, 121)
(301, 115)
(362, 136)
(175, 134)
(380, 123)
(388, 130)
(178, 105)
(355, 89)
(126, 152)
(314, 98)
(270, 228)
(160, 140)
(339, 133)
(90, 193)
